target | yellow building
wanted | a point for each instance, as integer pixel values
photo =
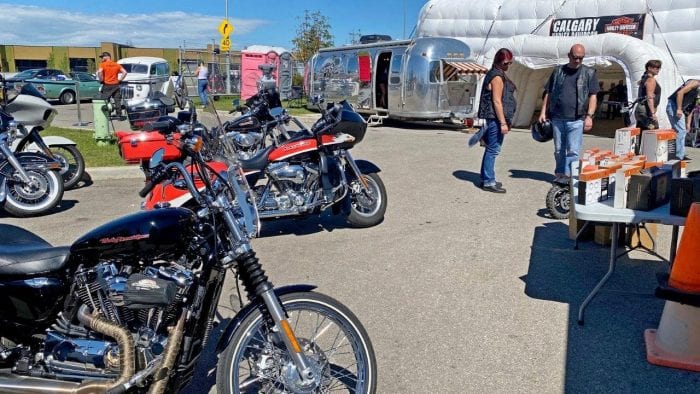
(15, 58)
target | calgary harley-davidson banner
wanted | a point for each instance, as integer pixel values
(630, 24)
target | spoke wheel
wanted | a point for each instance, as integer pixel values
(72, 164)
(43, 192)
(336, 346)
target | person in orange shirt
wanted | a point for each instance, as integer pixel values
(110, 74)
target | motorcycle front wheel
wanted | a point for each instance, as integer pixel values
(43, 192)
(335, 343)
(72, 164)
(367, 208)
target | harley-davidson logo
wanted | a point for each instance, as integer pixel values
(116, 240)
(296, 145)
(622, 25)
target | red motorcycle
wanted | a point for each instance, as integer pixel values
(304, 175)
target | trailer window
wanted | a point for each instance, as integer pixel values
(352, 65)
(435, 71)
(396, 64)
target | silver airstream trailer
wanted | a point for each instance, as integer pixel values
(429, 78)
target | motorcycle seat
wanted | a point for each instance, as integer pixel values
(23, 253)
(257, 162)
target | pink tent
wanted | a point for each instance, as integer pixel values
(251, 58)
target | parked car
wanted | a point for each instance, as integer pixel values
(39, 73)
(145, 76)
(64, 90)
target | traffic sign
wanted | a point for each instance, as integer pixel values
(225, 44)
(225, 28)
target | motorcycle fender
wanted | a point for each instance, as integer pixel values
(55, 140)
(33, 161)
(232, 326)
(367, 167)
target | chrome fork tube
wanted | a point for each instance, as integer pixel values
(285, 331)
(356, 170)
(14, 163)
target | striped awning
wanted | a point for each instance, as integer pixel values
(453, 68)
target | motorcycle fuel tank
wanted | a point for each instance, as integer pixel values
(142, 234)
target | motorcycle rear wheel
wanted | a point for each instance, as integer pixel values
(337, 347)
(367, 211)
(72, 164)
(559, 201)
(42, 193)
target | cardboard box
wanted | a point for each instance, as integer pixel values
(658, 145)
(674, 166)
(622, 179)
(649, 189)
(684, 192)
(642, 236)
(590, 186)
(627, 140)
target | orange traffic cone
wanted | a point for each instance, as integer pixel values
(676, 343)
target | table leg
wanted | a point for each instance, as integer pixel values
(611, 268)
(674, 243)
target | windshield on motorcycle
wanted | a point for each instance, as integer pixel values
(12, 89)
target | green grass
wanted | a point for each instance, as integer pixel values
(95, 156)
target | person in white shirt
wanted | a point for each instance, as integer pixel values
(202, 74)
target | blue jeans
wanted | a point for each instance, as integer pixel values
(202, 85)
(493, 138)
(678, 124)
(568, 138)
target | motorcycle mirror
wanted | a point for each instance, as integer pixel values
(156, 158)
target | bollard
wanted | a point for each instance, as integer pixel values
(101, 114)
(77, 102)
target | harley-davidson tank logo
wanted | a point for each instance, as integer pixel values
(116, 240)
(295, 145)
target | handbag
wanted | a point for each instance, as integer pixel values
(644, 121)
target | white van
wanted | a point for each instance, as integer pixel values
(145, 75)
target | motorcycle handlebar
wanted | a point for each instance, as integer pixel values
(146, 189)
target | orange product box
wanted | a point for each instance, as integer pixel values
(658, 145)
(593, 186)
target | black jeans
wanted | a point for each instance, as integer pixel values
(113, 91)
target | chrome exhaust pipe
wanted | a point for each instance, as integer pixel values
(10, 383)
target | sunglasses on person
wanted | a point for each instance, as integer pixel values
(575, 57)
(507, 63)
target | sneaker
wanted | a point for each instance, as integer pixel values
(498, 184)
(561, 179)
(686, 158)
(494, 189)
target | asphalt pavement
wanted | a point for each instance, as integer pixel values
(461, 290)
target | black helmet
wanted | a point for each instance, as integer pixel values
(542, 131)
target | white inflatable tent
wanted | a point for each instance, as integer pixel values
(540, 33)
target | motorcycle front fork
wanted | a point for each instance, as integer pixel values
(356, 170)
(14, 163)
(256, 284)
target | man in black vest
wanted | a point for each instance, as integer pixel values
(570, 103)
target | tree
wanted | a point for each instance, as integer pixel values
(313, 33)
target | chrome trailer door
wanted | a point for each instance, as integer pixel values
(458, 87)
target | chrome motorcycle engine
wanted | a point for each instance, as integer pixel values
(247, 144)
(144, 302)
(293, 186)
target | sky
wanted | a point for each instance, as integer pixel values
(193, 24)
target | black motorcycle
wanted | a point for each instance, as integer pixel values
(131, 304)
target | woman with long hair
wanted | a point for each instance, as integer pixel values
(496, 106)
